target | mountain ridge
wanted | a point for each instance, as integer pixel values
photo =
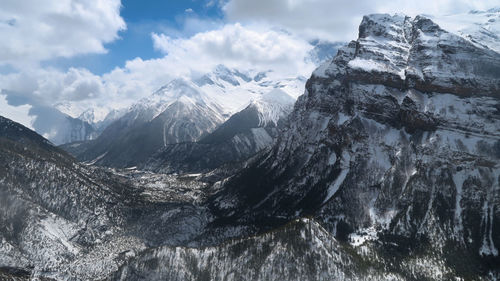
(385, 143)
(386, 168)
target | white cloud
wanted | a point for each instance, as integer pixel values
(238, 46)
(33, 31)
(336, 20)
(44, 86)
(233, 45)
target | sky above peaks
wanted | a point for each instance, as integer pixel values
(110, 53)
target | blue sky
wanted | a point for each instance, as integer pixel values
(142, 19)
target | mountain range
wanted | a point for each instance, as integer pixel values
(182, 117)
(387, 167)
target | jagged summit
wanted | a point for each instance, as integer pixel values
(223, 77)
(178, 90)
(178, 87)
(416, 53)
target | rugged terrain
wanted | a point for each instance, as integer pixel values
(185, 111)
(387, 168)
(396, 144)
(61, 219)
(243, 135)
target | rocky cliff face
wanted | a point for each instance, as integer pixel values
(395, 141)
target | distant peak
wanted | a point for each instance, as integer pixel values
(223, 73)
(178, 87)
(220, 68)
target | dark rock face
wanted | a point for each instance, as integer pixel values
(390, 138)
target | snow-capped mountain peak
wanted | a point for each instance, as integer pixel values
(178, 87)
(178, 90)
(94, 115)
(390, 45)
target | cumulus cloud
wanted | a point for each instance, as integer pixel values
(33, 31)
(336, 20)
(44, 86)
(238, 46)
(233, 45)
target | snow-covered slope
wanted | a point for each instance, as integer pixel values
(272, 107)
(62, 220)
(234, 89)
(179, 89)
(301, 250)
(93, 115)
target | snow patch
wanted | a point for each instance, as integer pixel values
(488, 248)
(458, 180)
(332, 158)
(370, 65)
(342, 118)
(360, 237)
(335, 185)
(61, 231)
